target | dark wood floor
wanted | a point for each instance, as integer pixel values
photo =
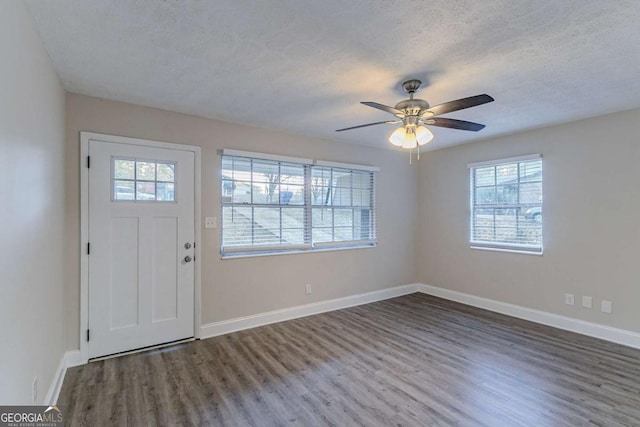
(413, 360)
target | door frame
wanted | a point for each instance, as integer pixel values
(85, 137)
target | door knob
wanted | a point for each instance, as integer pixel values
(187, 245)
(187, 259)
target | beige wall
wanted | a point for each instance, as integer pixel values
(240, 287)
(591, 227)
(31, 211)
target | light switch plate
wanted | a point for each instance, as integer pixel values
(606, 306)
(587, 302)
(210, 222)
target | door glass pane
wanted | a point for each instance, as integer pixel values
(165, 192)
(146, 171)
(145, 190)
(124, 169)
(166, 172)
(123, 190)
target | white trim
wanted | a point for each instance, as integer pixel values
(264, 248)
(264, 156)
(343, 243)
(73, 358)
(595, 330)
(503, 161)
(241, 323)
(68, 360)
(85, 137)
(84, 238)
(502, 247)
(56, 383)
(505, 249)
(248, 251)
(237, 255)
(346, 166)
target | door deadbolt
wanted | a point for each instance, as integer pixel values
(187, 245)
(187, 259)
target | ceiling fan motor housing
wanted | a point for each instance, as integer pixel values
(411, 107)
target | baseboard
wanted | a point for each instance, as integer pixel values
(247, 322)
(596, 330)
(68, 360)
(73, 358)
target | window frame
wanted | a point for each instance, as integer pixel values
(308, 245)
(497, 245)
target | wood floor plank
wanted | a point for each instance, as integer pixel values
(410, 361)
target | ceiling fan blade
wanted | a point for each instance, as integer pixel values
(383, 107)
(390, 122)
(454, 124)
(458, 104)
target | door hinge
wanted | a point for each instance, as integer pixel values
(88, 162)
(88, 248)
(88, 335)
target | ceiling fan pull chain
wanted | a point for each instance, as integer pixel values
(410, 149)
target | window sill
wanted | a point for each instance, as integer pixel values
(508, 250)
(294, 252)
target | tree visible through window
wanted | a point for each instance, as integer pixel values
(506, 204)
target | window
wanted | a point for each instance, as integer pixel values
(143, 180)
(506, 204)
(273, 204)
(342, 206)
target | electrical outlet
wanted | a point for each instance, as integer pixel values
(34, 390)
(587, 302)
(307, 289)
(569, 299)
(606, 306)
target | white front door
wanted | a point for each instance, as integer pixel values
(141, 234)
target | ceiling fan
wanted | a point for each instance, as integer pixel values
(415, 113)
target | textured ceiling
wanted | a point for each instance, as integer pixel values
(303, 66)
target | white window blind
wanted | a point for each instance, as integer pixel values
(506, 204)
(342, 203)
(271, 205)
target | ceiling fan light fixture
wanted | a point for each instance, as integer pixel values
(423, 135)
(398, 137)
(410, 136)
